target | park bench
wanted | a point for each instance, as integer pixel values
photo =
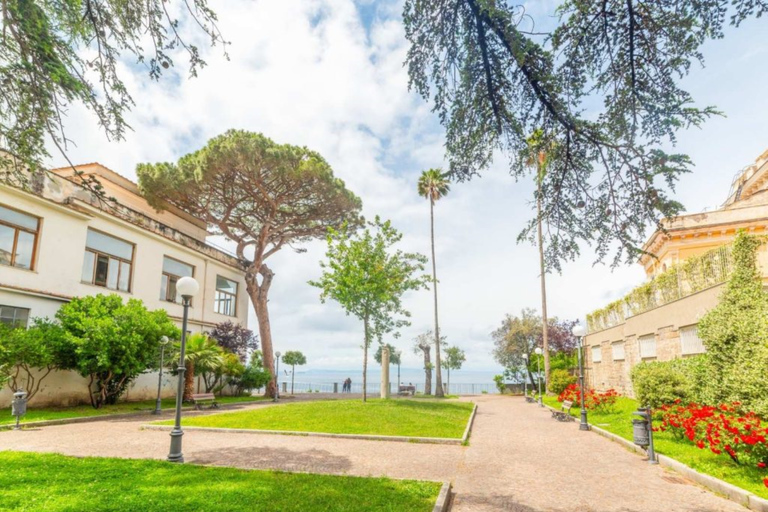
(406, 390)
(200, 399)
(564, 414)
(529, 399)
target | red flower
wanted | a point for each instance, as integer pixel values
(765, 482)
(761, 465)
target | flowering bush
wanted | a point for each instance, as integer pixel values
(723, 429)
(593, 401)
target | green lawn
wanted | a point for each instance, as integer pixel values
(704, 461)
(47, 482)
(79, 411)
(401, 417)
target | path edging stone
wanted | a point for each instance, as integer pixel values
(443, 502)
(369, 437)
(469, 425)
(730, 491)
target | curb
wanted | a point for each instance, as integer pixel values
(729, 491)
(367, 437)
(443, 503)
(469, 425)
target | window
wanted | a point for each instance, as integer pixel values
(14, 317)
(690, 343)
(597, 354)
(173, 270)
(647, 346)
(107, 262)
(618, 350)
(226, 296)
(18, 238)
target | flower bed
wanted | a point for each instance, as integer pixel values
(593, 400)
(724, 429)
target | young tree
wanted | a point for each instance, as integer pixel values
(454, 359)
(28, 356)
(235, 338)
(262, 196)
(368, 278)
(110, 342)
(494, 79)
(253, 377)
(56, 54)
(433, 185)
(422, 344)
(293, 358)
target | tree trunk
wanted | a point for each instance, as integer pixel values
(293, 376)
(259, 296)
(530, 377)
(189, 381)
(365, 360)
(427, 372)
(542, 269)
(439, 383)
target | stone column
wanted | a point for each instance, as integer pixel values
(385, 372)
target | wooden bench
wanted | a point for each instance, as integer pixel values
(406, 390)
(564, 414)
(200, 399)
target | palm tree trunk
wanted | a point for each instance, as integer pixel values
(438, 376)
(542, 269)
(293, 376)
(189, 381)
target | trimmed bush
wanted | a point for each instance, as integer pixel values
(659, 383)
(559, 380)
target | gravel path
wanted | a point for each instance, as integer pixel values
(519, 460)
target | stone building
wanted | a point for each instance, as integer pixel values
(62, 241)
(687, 264)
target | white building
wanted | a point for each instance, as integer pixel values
(62, 242)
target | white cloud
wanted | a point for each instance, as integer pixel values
(312, 73)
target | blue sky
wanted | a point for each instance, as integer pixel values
(328, 74)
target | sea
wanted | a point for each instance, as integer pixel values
(462, 382)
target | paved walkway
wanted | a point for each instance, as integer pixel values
(519, 460)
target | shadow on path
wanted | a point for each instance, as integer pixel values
(282, 459)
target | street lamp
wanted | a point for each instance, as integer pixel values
(277, 375)
(538, 373)
(525, 377)
(187, 287)
(164, 342)
(579, 331)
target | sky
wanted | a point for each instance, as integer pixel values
(329, 75)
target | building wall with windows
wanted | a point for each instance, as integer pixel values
(75, 245)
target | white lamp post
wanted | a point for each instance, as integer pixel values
(277, 377)
(538, 373)
(579, 331)
(187, 288)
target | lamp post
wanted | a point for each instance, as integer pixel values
(525, 377)
(538, 373)
(187, 288)
(277, 375)
(164, 342)
(579, 331)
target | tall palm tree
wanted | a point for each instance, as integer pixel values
(433, 185)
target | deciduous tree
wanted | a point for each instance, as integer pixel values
(368, 277)
(110, 342)
(454, 359)
(235, 338)
(28, 356)
(260, 195)
(55, 54)
(493, 80)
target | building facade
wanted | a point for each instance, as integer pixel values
(61, 241)
(687, 263)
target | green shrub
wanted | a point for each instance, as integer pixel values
(659, 383)
(499, 380)
(559, 380)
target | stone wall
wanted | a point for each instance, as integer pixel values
(664, 323)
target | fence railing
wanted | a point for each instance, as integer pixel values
(375, 387)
